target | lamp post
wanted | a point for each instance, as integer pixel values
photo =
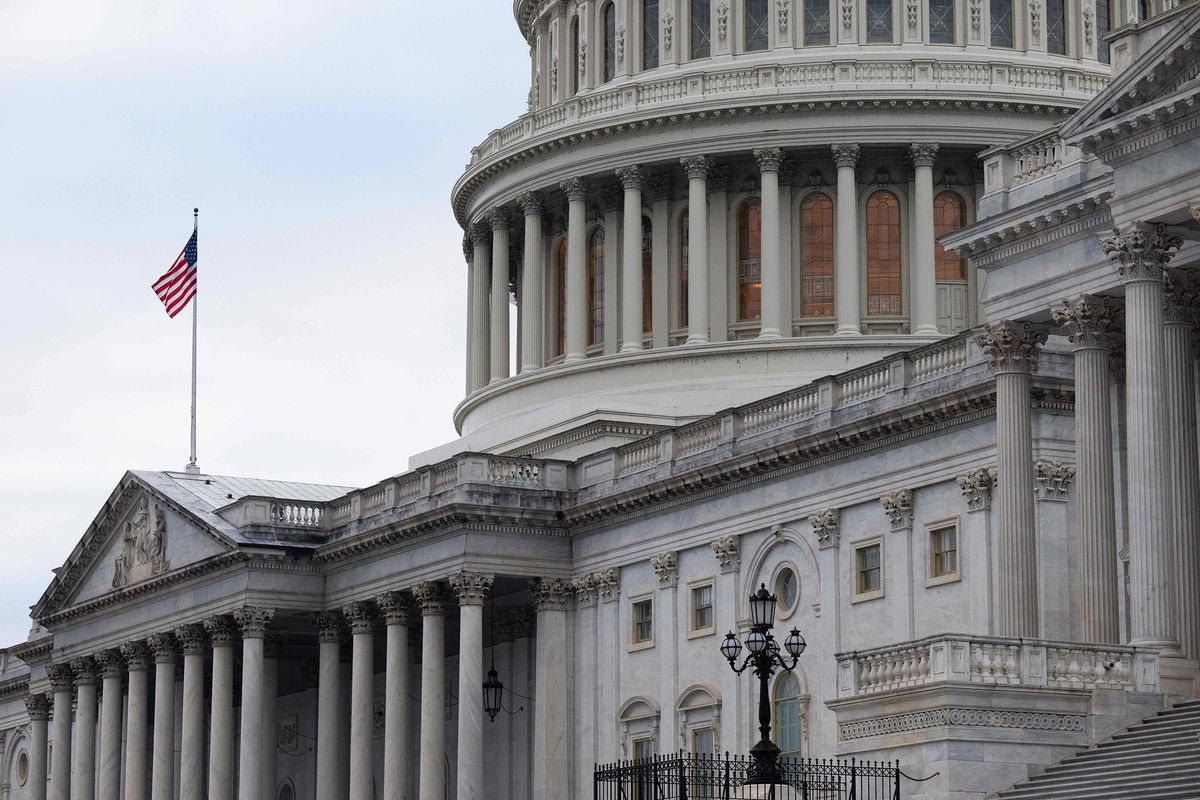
(763, 657)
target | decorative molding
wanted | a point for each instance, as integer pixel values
(898, 507)
(668, 31)
(1011, 346)
(847, 15)
(549, 594)
(144, 546)
(1090, 321)
(471, 587)
(666, 567)
(718, 179)
(582, 65)
(84, 669)
(164, 647)
(913, 14)
(37, 706)
(976, 13)
(977, 487)
(554, 75)
(696, 166)
(253, 620)
(396, 607)
(1053, 479)
(1049, 227)
(1035, 20)
(431, 597)
(620, 44)
(110, 664)
(136, 655)
(826, 525)
(1141, 255)
(1089, 23)
(584, 587)
(329, 625)
(1181, 296)
(360, 614)
(574, 189)
(723, 20)
(769, 158)
(631, 177)
(968, 717)
(845, 155)
(783, 8)
(192, 639)
(221, 631)
(728, 550)
(61, 677)
(923, 154)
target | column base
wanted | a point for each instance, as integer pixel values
(631, 348)
(848, 330)
(697, 340)
(571, 358)
(927, 330)
(1179, 676)
(770, 334)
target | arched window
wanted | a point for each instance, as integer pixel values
(879, 20)
(949, 214)
(573, 68)
(1056, 27)
(701, 28)
(649, 34)
(610, 41)
(560, 299)
(941, 21)
(749, 254)
(596, 287)
(756, 16)
(683, 270)
(1002, 23)
(816, 256)
(788, 725)
(647, 275)
(883, 254)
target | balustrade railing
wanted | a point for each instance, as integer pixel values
(514, 472)
(1027, 160)
(638, 456)
(697, 437)
(864, 384)
(296, 515)
(775, 412)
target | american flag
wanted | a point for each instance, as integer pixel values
(177, 287)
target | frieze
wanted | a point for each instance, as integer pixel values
(966, 717)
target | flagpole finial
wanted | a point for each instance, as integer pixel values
(196, 212)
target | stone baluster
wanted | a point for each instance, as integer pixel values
(1013, 347)
(397, 613)
(1090, 322)
(533, 282)
(923, 303)
(771, 277)
(83, 773)
(112, 700)
(38, 708)
(194, 645)
(329, 636)
(432, 781)
(137, 662)
(577, 295)
(253, 622)
(1142, 256)
(631, 259)
(846, 284)
(697, 169)
(222, 634)
(479, 338)
(551, 737)
(60, 776)
(361, 616)
(472, 589)
(498, 220)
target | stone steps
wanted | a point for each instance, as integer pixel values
(1156, 759)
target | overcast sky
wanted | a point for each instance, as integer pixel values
(320, 141)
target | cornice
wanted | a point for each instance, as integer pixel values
(14, 687)
(34, 651)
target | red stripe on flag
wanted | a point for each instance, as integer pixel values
(177, 286)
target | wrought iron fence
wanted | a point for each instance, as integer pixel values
(687, 776)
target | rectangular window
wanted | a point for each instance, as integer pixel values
(816, 21)
(702, 608)
(704, 741)
(643, 621)
(643, 748)
(1103, 26)
(701, 40)
(757, 37)
(868, 570)
(787, 725)
(879, 20)
(943, 551)
(1056, 29)
(649, 34)
(1002, 23)
(941, 21)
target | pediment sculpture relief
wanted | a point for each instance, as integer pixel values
(144, 546)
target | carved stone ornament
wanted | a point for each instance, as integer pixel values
(1053, 479)
(1141, 255)
(976, 11)
(825, 524)
(110, 664)
(913, 14)
(1089, 319)
(1012, 346)
(471, 587)
(660, 187)
(847, 15)
(668, 32)
(38, 707)
(722, 19)
(845, 155)
(549, 594)
(480, 233)
(431, 597)
(582, 66)
(1194, 209)
(728, 550)
(898, 507)
(631, 177)
(620, 45)
(144, 546)
(61, 677)
(85, 671)
(977, 487)
(515, 623)
(574, 189)
(696, 166)
(1035, 20)
(136, 655)
(532, 203)
(718, 179)
(360, 614)
(396, 607)
(164, 647)
(769, 158)
(329, 625)
(923, 154)
(584, 587)
(608, 584)
(666, 567)
(1089, 23)
(221, 631)
(498, 218)
(1181, 296)
(192, 639)
(554, 75)
(253, 620)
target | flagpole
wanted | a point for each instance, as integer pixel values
(192, 466)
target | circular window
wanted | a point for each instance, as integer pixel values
(787, 591)
(22, 768)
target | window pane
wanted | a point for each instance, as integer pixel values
(816, 21)
(643, 621)
(750, 260)
(560, 299)
(596, 286)
(703, 741)
(649, 34)
(883, 254)
(702, 610)
(868, 568)
(787, 725)
(647, 275)
(816, 256)
(944, 550)
(1056, 33)
(949, 214)
(879, 20)
(941, 21)
(701, 29)
(787, 589)
(573, 71)
(610, 41)
(757, 37)
(1002, 23)
(1103, 23)
(643, 748)
(683, 271)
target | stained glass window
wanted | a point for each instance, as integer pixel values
(816, 256)
(949, 214)
(1002, 23)
(816, 21)
(647, 275)
(596, 287)
(701, 44)
(941, 21)
(883, 254)
(610, 41)
(649, 34)
(756, 16)
(749, 260)
(1056, 29)
(879, 20)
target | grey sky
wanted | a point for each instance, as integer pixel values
(320, 142)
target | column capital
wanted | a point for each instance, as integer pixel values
(110, 663)
(498, 218)
(696, 166)
(584, 587)
(608, 583)
(845, 155)
(1141, 255)
(1053, 479)
(253, 620)
(976, 486)
(85, 671)
(329, 625)
(1181, 296)
(192, 639)
(468, 248)
(728, 550)
(136, 655)
(1089, 319)
(826, 524)
(481, 235)
(549, 594)
(923, 154)
(220, 630)
(431, 596)
(61, 677)
(397, 607)
(659, 187)
(361, 616)
(164, 647)
(631, 176)
(1011, 346)
(574, 189)
(471, 587)
(666, 567)
(38, 707)
(769, 158)
(897, 505)
(532, 203)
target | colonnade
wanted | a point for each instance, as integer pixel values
(1156, 328)
(488, 253)
(111, 769)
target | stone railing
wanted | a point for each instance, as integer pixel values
(784, 81)
(1027, 160)
(995, 661)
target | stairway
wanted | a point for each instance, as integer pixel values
(1155, 759)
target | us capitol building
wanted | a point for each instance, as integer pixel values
(889, 305)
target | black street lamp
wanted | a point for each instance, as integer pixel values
(493, 689)
(763, 657)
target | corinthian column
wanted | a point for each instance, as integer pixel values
(631, 260)
(577, 296)
(1182, 304)
(361, 617)
(498, 220)
(329, 634)
(1142, 256)
(270, 741)
(533, 279)
(397, 609)
(137, 661)
(769, 160)
(697, 168)
(1090, 322)
(191, 747)
(220, 729)
(253, 622)
(60, 775)
(472, 589)
(112, 673)
(551, 740)
(1013, 348)
(162, 766)
(924, 273)
(38, 708)
(846, 285)
(83, 778)
(478, 347)
(432, 784)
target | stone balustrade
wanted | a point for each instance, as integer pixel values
(996, 661)
(1027, 160)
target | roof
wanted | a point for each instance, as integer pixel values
(217, 491)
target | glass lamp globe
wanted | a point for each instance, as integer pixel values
(772, 645)
(762, 608)
(493, 692)
(731, 647)
(756, 642)
(795, 643)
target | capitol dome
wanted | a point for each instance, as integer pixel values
(822, 146)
